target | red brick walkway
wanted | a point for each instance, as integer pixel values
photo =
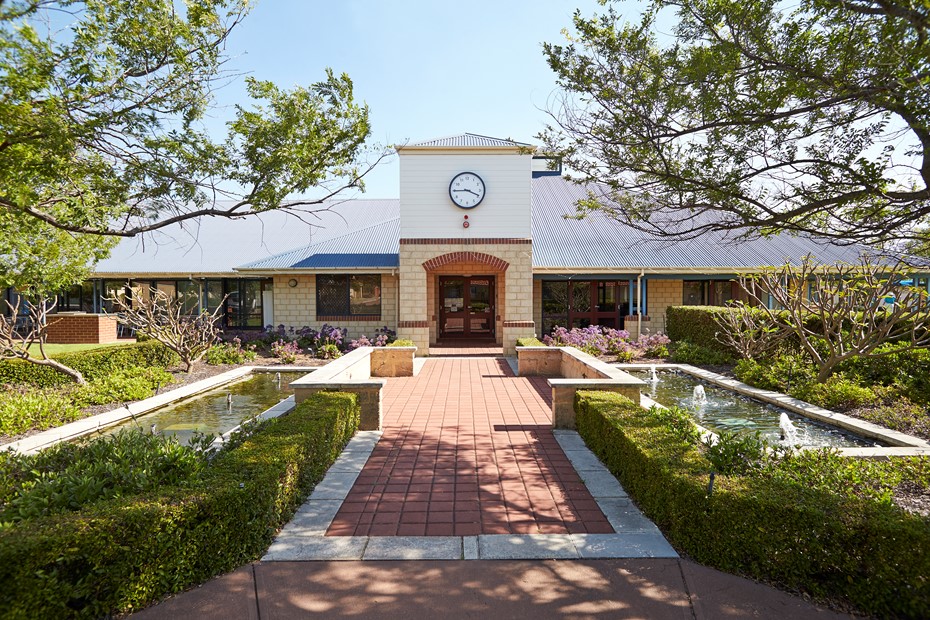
(467, 449)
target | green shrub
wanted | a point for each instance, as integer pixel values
(695, 324)
(70, 476)
(402, 343)
(93, 364)
(679, 422)
(119, 555)
(228, 353)
(786, 524)
(123, 386)
(900, 415)
(732, 453)
(838, 393)
(23, 410)
(689, 353)
(530, 342)
(908, 370)
(786, 374)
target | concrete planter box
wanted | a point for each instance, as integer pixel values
(392, 361)
(572, 370)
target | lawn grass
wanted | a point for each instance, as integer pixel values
(54, 349)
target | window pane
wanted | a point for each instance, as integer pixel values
(189, 294)
(113, 289)
(723, 292)
(693, 293)
(581, 298)
(332, 295)
(251, 308)
(554, 305)
(214, 294)
(168, 288)
(606, 297)
(365, 295)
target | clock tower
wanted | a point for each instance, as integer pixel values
(465, 242)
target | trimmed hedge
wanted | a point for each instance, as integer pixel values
(832, 546)
(694, 324)
(121, 555)
(91, 363)
(532, 341)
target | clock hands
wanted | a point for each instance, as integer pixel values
(466, 190)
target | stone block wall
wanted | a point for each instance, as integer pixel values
(80, 328)
(509, 260)
(297, 306)
(660, 295)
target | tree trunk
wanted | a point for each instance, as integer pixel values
(826, 371)
(74, 374)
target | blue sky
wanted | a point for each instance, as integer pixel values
(425, 68)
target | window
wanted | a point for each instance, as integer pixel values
(580, 303)
(189, 295)
(78, 298)
(692, 293)
(244, 303)
(344, 295)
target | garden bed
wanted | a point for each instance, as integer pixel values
(118, 555)
(812, 522)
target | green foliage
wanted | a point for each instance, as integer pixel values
(530, 342)
(93, 364)
(751, 114)
(733, 453)
(906, 370)
(108, 113)
(900, 415)
(838, 393)
(228, 353)
(695, 324)
(23, 410)
(818, 524)
(689, 353)
(402, 343)
(123, 386)
(68, 477)
(679, 422)
(121, 554)
(329, 352)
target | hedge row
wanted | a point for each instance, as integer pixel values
(92, 363)
(694, 324)
(121, 555)
(870, 554)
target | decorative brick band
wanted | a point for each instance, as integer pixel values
(350, 318)
(466, 257)
(633, 317)
(519, 324)
(413, 324)
(478, 241)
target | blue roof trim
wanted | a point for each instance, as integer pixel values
(338, 261)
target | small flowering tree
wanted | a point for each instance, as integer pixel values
(166, 319)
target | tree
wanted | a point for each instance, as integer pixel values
(101, 110)
(166, 318)
(748, 330)
(39, 261)
(849, 310)
(751, 117)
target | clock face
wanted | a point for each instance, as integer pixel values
(466, 190)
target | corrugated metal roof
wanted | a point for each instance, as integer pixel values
(365, 234)
(375, 246)
(219, 245)
(598, 241)
(469, 139)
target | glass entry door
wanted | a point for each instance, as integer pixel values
(466, 307)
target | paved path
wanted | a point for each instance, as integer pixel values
(468, 467)
(632, 588)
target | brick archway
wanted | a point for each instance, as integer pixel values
(466, 257)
